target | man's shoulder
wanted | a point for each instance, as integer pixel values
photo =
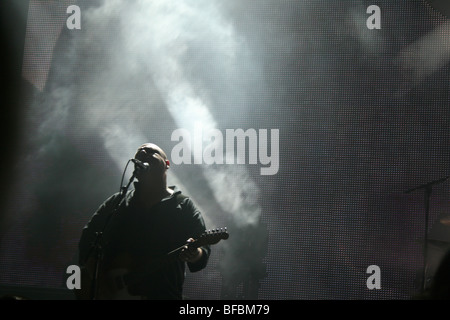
(117, 200)
(177, 194)
(183, 200)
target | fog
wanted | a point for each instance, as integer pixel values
(361, 115)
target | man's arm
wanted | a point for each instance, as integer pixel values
(196, 258)
(191, 255)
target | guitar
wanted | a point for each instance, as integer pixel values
(113, 284)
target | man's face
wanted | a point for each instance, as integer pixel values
(155, 157)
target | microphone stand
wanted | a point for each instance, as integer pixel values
(428, 189)
(97, 246)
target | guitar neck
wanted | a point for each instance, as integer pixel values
(208, 238)
(175, 252)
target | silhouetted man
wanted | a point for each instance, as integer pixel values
(150, 221)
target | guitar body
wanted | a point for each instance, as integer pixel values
(110, 283)
(116, 276)
(115, 286)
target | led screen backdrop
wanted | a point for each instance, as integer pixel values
(298, 125)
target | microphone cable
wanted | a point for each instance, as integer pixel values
(122, 187)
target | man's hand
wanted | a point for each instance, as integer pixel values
(190, 254)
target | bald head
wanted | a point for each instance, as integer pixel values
(149, 149)
(153, 181)
(152, 154)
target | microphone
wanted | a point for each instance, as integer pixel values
(140, 165)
